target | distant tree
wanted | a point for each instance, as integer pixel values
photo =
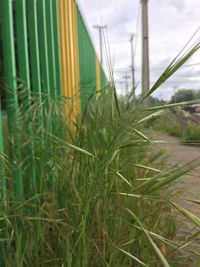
(197, 94)
(185, 95)
(153, 101)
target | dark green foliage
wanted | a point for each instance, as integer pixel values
(185, 95)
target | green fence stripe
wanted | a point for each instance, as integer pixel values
(1, 132)
(43, 50)
(24, 74)
(3, 184)
(9, 61)
(51, 48)
(57, 47)
(10, 79)
(2, 173)
(34, 58)
(87, 60)
(34, 47)
(22, 45)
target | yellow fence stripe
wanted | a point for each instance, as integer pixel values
(69, 56)
(77, 69)
(63, 57)
(107, 87)
(69, 49)
(98, 76)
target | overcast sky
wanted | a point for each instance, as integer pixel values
(171, 24)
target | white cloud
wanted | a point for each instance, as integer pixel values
(178, 4)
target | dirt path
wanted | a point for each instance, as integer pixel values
(187, 187)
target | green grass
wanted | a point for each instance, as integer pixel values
(192, 133)
(96, 200)
(177, 124)
(168, 123)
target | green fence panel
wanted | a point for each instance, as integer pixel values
(22, 46)
(87, 61)
(34, 59)
(56, 47)
(34, 48)
(43, 50)
(51, 48)
(11, 85)
(3, 186)
(3, 190)
(9, 61)
(24, 75)
(1, 133)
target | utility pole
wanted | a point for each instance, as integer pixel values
(100, 28)
(132, 64)
(126, 77)
(145, 51)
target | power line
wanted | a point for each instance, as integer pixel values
(108, 55)
(169, 42)
(100, 28)
(166, 45)
(123, 69)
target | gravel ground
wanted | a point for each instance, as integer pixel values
(187, 187)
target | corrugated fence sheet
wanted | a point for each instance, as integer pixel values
(46, 50)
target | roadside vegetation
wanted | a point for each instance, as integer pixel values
(185, 95)
(181, 122)
(95, 192)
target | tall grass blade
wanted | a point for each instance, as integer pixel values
(133, 257)
(157, 250)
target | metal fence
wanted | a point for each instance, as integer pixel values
(45, 49)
